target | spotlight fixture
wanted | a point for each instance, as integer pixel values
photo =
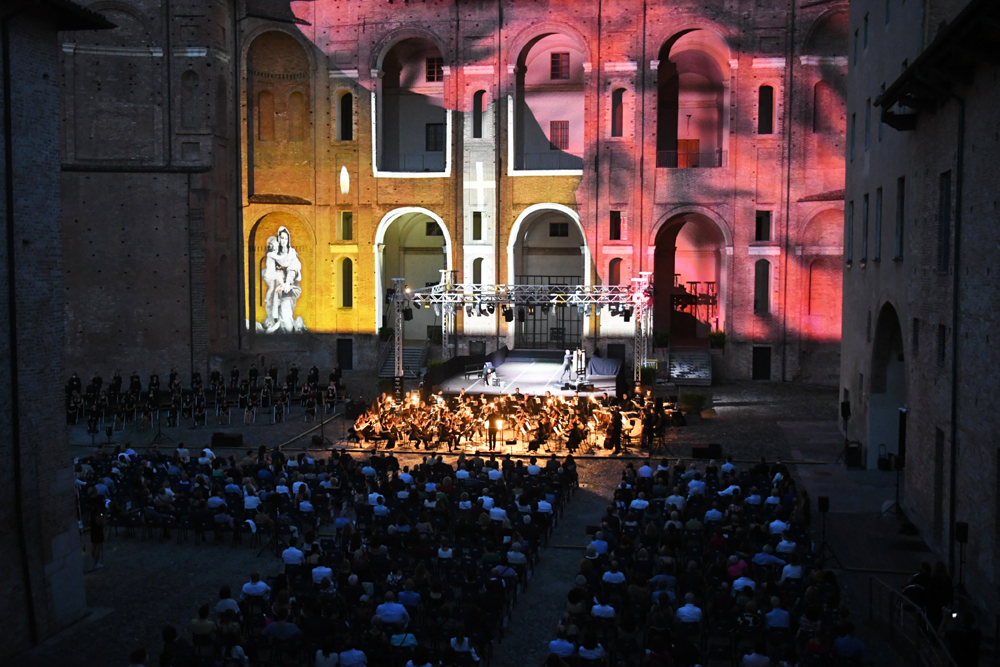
(491, 309)
(407, 289)
(468, 311)
(407, 313)
(531, 310)
(508, 314)
(545, 309)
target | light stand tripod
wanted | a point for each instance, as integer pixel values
(825, 551)
(894, 508)
(160, 436)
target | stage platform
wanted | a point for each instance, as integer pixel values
(532, 376)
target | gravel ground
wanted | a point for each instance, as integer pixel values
(148, 583)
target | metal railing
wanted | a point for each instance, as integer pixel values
(905, 626)
(691, 159)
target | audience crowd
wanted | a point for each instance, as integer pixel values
(381, 564)
(692, 566)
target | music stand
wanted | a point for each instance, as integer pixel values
(160, 435)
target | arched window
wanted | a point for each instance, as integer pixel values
(618, 113)
(478, 101)
(615, 271)
(828, 108)
(347, 117)
(765, 110)
(762, 287)
(477, 271)
(190, 98)
(347, 284)
(265, 116)
(296, 117)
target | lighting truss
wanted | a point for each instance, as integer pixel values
(451, 297)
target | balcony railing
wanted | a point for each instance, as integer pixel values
(691, 159)
(905, 626)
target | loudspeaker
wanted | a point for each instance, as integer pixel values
(407, 314)
(962, 532)
(227, 440)
(824, 503)
(852, 455)
(845, 409)
(713, 451)
(508, 315)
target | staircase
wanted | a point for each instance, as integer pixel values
(691, 366)
(413, 360)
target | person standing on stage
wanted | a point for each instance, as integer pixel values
(567, 368)
(616, 431)
(491, 429)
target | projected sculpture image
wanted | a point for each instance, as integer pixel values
(282, 274)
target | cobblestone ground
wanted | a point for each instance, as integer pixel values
(148, 583)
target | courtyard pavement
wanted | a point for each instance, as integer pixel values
(148, 583)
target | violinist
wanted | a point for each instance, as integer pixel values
(577, 434)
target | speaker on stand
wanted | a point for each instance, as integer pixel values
(825, 551)
(845, 413)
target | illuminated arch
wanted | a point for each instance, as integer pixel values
(515, 231)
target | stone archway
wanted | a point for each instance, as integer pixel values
(689, 274)
(887, 380)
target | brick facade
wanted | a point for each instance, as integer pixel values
(910, 292)
(41, 582)
(210, 150)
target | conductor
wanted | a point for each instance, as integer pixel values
(567, 367)
(492, 424)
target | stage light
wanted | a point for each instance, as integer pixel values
(627, 314)
(407, 289)
(407, 314)
(437, 310)
(545, 309)
(468, 310)
(491, 309)
(508, 314)
(531, 310)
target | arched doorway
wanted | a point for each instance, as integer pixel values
(689, 277)
(692, 91)
(412, 123)
(412, 244)
(549, 104)
(547, 247)
(280, 275)
(888, 385)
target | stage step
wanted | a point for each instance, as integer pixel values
(525, 354)
(691, 367)
(413, 361)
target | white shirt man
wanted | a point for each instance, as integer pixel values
(689, 613)
(713, 515)
(729, 490)
(461, 474)
(293, 556)
(602, 611)
(373, 498)
(785, 546)
(675, 499)
(777, 617)
(613, 577)
(380, 510)
(639, 504)
(406, 478)
(533, 469)
(494, 474)
(255, 588)
(791, 572)
(544, 507)
(777, 527)
(321, 571)
(393, 612)
(296, 485)
(727, 467)
(753, 499)
(368, 470)
(562, 647)
(282, 488)
(742, 583)
(645, 471)
(696, 486)
(498, 514)
(487, 502)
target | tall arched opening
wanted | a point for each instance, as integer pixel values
(411, 115)
(549, 104)
(692, 94)
(279, 104)
(280, 275)
(689, 277)
(547, 247)
(887, 392)
(412, 244)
